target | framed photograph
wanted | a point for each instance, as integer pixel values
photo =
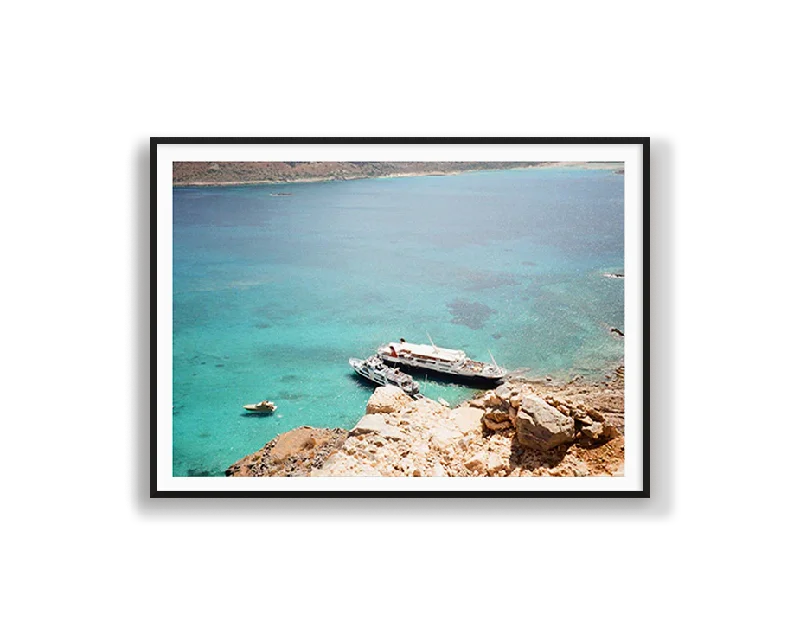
(400, 317)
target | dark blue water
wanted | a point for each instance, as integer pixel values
(272, 295)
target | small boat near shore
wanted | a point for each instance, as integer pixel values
(374, 369)
(265, 406)
(451, 362)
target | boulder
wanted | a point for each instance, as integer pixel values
(467, 419)
(491, 400)
(388, 400)
(595, 415)
(495, 415)
(497, 426)
(582, 420)
(376, 423)
(540, 426)
(598, 431)
(593, 431)
(504, 392)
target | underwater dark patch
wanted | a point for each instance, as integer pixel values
(199, 473)
(471, 314)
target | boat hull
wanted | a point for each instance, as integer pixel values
(381, 380)
(434, 375)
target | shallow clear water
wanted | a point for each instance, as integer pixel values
(272, 295)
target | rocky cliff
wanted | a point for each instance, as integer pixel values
(522, 428)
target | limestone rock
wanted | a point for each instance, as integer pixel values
(494, 463)
(496, 415)
(503, 392)
(593, 431)
(595, 415)
(597, 431)
(497, 426)
(438, 471)
(610, 431)
(421, 448)
(340, 465)
(444, 435)
(491, 400)
(376, 423)
(477, 463)
(582, 420)
(540, 426)
(467, 419)
(388, 400)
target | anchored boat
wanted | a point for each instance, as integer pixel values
(373, 368)
(265, 406)
(450, 362)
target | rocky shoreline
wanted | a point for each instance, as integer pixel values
(522, 428)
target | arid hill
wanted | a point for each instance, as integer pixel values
(210, 173)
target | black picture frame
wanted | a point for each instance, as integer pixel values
(648, 138)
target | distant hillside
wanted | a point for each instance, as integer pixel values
(201, 173)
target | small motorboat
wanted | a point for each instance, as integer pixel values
(265, 406)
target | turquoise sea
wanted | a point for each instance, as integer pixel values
(273, 294)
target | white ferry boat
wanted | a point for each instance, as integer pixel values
(446, 361)
(374, 369)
